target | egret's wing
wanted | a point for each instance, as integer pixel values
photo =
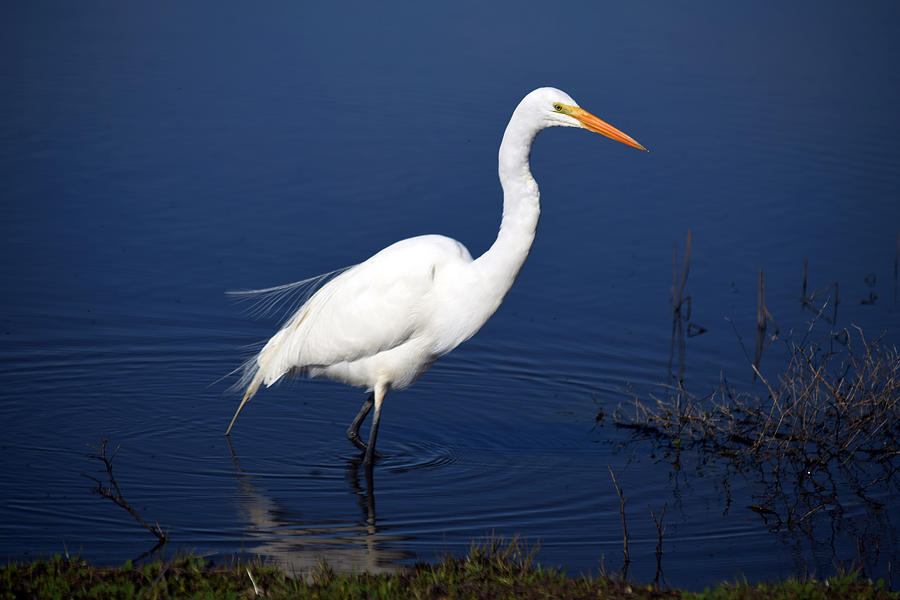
(369, 308)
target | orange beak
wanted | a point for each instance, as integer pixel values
(589, 121)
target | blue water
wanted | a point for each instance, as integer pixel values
(154, 156)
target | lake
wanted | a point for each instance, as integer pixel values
(156, 155)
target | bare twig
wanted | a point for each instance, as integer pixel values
(113, 493)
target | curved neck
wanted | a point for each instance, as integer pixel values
(501, 264)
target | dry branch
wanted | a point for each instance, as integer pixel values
(112, 491)
(829, 423)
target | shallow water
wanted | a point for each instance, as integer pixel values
(154, 157)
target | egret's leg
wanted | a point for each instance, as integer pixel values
(370, 451)
(353, 430)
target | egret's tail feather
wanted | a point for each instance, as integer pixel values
(283, 299)
(251, 389)
(267, 367)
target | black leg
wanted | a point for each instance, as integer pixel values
(373, 434)
(353, 430)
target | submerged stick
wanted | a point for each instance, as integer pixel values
(803, 294)
(685, 267)
(760, 323)
(622, 501)
(660, 530)
(896, 261)
(679, 314)
(763, 318)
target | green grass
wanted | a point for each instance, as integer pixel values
(496, 570)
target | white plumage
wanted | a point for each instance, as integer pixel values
(382, 323)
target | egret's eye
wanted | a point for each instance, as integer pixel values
(558, 107)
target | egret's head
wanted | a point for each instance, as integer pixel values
(557, 109)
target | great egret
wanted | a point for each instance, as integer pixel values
(382, 323)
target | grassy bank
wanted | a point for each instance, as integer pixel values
(493, 571)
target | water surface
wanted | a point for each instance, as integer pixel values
(153, 157)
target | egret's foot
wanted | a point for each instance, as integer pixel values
(356, 441)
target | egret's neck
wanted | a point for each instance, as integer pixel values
(502, 262)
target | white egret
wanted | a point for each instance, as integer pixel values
(382, 323)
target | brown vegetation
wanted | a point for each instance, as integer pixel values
(827, 408)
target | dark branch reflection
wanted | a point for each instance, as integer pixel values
(832, 518)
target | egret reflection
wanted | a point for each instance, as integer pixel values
(278, 532)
